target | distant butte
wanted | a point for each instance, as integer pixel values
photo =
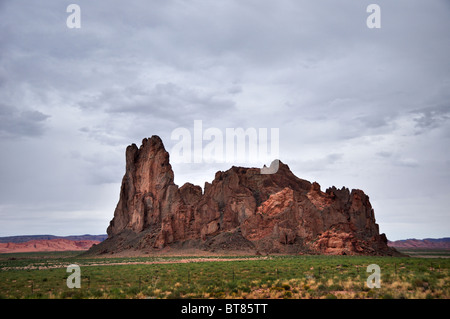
(241, 212)
(56, 244)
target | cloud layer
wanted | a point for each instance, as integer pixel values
(364, 108)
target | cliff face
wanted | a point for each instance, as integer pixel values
(242, 210)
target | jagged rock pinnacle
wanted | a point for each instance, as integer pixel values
(243, 210)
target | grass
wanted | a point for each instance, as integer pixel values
(422, 252)
(43, 275)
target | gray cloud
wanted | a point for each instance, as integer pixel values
(356, 107)
(431, 117)
(16, 123)
(164, 100)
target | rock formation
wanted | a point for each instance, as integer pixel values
(56, 244)
(426, 243)
(241, 211)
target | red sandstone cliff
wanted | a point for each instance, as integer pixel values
(241, 210)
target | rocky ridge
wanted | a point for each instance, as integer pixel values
(56, 244)
(426, 243)
(240, 211)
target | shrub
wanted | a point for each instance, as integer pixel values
(420, 283)
(321, 287)
(336, 287)
(286, 287)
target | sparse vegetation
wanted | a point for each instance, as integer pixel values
(43, 275)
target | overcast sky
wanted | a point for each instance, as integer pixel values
(356, 107)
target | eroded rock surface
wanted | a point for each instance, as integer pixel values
(242, 210)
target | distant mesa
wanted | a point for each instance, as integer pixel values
(25, 238)
(242, 211)
(39, 245)
(427, 243)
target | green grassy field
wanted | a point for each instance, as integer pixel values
(428, 253)
(43, 275)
